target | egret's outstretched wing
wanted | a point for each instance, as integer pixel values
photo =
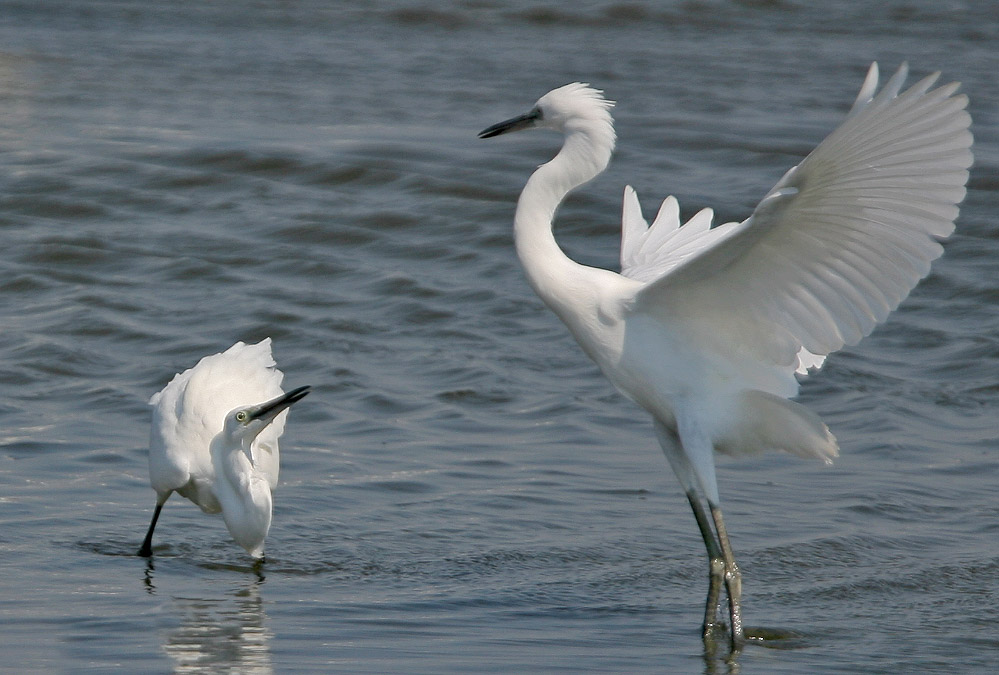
(841, 239)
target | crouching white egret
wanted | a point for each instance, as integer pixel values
(215, 437)
(706, 328)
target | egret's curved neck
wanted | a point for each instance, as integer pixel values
(244, 495)
(233, 466)
(553, 275)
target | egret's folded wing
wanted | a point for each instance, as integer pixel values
(841, 239)
(191, 409)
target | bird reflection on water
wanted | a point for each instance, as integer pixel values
(218, 632)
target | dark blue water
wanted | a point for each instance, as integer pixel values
(463, 492)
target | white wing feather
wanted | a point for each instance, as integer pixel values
(834, 247)
(191, 410)
(647, 253)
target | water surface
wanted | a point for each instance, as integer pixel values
(462, 492)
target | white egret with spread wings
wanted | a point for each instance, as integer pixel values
(707, 328)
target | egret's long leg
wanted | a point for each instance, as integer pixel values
(146, 549)
(716, 564)
(733, 579)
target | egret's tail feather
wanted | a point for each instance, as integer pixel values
(769, 422)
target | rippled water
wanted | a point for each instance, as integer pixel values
(463, 492)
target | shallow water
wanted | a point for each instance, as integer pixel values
(462, 492)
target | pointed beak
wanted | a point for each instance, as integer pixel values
(271, 409)
(525, 121)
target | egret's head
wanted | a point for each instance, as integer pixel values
(244, 424)
(575, 106)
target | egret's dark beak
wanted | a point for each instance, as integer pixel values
(271, 409)
(525, 121)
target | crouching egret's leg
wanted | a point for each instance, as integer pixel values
(146, 550)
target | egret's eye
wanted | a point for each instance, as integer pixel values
(241, 416)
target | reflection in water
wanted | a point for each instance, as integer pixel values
(219, 634)
(719, 658)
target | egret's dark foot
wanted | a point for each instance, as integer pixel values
(718, 650)
(718, 636)
(715, 631)
(776, 638)
(772, 638)
(258, 567)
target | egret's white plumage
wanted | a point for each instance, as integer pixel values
(214, 439)
(706, 328)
